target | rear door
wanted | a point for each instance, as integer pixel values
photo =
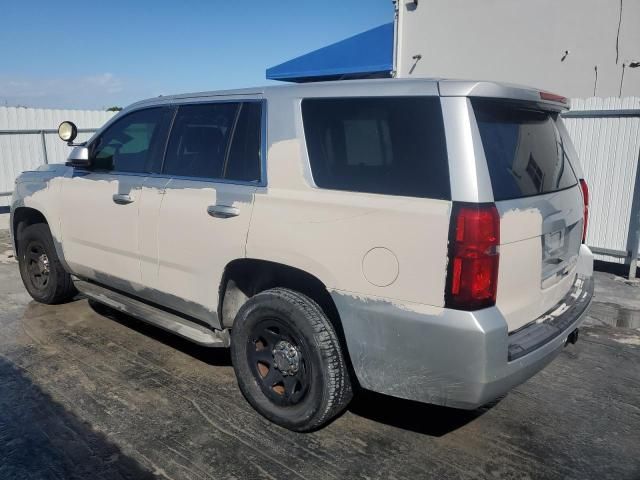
(213, 162)
(366, 207)
(539, 199)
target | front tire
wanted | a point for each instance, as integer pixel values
(43, 275)
(288, 360)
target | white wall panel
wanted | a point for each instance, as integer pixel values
(524, 42)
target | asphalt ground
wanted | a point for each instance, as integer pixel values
(88, 393)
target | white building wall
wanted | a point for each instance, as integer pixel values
(523, 42)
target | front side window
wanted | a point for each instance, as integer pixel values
(385, 145)
(132, 142)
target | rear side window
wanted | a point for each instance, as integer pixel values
(216, 141)
(243, 163)
(385, 145)
(198, 141)
(524, 150)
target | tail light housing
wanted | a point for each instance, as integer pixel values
(472, 276)
(585, 199)
(552, 97)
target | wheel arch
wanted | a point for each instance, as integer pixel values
(22, 217)
(245, 277)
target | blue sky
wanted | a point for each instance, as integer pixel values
(90, 54)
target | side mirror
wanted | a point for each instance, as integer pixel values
(67, 131)
(79, 157)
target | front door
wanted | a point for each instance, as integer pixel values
(213, 162)
(100, 228)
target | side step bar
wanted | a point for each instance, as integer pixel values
(167, 321)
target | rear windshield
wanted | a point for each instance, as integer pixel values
(524, 150)
(386, 145)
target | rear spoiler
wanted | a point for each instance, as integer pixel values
(543, 99)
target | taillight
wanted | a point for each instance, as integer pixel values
(585, 199)
(472, 277)
(552, 97)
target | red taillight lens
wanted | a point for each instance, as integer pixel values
(585, 198)
(472, 280)
(552, 97)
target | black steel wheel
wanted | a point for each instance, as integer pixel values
(288, 360)
(43, 275)
(278, 358)
(37, 265)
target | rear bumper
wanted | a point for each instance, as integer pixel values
(450, 357)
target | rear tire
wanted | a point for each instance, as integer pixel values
(43, 275)
(288, 360)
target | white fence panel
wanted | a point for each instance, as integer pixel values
(24, 151)
(609, 147)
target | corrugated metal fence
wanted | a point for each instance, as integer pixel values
(606, 133)
(28, 138)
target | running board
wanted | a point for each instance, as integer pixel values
(160, 318)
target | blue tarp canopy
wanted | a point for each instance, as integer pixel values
(368, 54)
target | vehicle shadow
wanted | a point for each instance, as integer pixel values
(423, 418)
(40, 438)
(212, 356)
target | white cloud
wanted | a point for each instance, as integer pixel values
(107, 81)
(90, 91)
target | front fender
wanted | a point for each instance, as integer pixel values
(39, 191)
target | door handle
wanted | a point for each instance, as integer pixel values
(223, 211)
(122, 198)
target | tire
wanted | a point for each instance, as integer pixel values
(42, 274)
(288, 360)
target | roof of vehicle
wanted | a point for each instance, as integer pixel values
(376, 87)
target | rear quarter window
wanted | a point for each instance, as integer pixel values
(384, 145)
(526, 155)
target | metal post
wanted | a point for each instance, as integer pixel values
(633, 237)
(44, 147)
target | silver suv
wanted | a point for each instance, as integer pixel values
(419, 238)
